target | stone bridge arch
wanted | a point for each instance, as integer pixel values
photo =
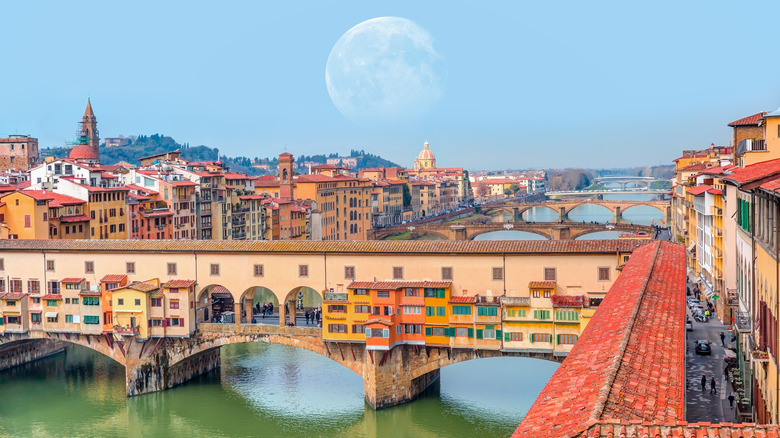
(478, 231)
(215, 299)
(522, 208)
(297, 299)
(440, 357)
(609, 208)
(104, 344)
(253, 295)
(661, 208)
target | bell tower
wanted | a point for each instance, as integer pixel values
(89, 129)
(286, 162)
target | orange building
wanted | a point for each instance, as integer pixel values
(107, 284)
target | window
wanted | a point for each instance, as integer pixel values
(358, 328)
(441, 311)
(541, 337)
(461, 310)
(120, 302)
(51, 303)
(137, 302)
(446, 273)
(171, 268)
(594, 302)
(349, 272)
(463, 332)
(10, 303)
(487, 311)
(489, 334)
(549, 274)
(48, 319)
(90, 301)
(547, 294)
(413, 329)
(361, 308)
(541, 314)
(513, 337)
(398, 329)
(387, 310)
(398, 273)
(50, 265)
(337, 308)
(156, 302)
(303, 270)
(258, 271)
(16, 285)
(536, 293)
(412, 310)
(337, 328)
(69, 318)
(177, 322)
(214, 269)
(603, 274)
(130, 267)
(498, 273)
(2, 261)
(435, 331)
(156, 322)
(89, 267)
(174, 304)
(567, 339)
(430, 311)
(567, 315)
(35, 318)
(27, 221)
(412, 292)
(360, 292)
(33, 286)
(383, 294)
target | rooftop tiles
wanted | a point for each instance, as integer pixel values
(394, 285)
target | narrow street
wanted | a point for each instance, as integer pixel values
(701, 405)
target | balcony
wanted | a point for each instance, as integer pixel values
(742, 321)
(238, 223)
(239, 236)
(127, 330)
(759, 356)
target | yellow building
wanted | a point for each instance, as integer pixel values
(487, 323)
(26, 214)
(515, 318)
(131, 308)
(461, 332)
(437, 320)
(344, 313)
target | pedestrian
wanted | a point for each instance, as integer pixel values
(731, 400)
(703, 383)
(713, 389)
(307, 317)
(723, 338)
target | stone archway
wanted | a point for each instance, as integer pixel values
(253, 301)
(215, 303)
(297, 302)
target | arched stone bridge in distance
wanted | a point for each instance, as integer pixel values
(468, 231)
(390, 377)
(563, 208)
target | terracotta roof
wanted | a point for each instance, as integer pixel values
(72, 280)
(83, 151)
(156, 213)
(568, 300)
(702, 189)
(141, 286)
(753, 172)
(379, 321)
(362, 247)
(74, 218)
(58, 200)
(542, 284)
(628, 366)
(12, 296)
(90, 293)
(113, 278)
(179, 284)
(694, 166)
(771, 185)
(395, 285)
(749, 120)
(52, 297)
(462, 299)
(219, 289)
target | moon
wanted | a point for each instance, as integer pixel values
(385, 70)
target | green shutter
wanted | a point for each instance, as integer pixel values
(493, 311)
(506, 336)
(489, 327)
(498, 335)
(533, 337)
(471, 332)
(439, 293)
(427, 331)
(479, 333)
(440, 311)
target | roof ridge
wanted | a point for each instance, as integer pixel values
(614, 368)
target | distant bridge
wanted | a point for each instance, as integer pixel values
(624, 181)
(468, 231)
(563, 208)
(606, 192)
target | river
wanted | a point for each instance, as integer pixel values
(262, 389)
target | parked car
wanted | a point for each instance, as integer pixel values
(688, 325)
(703, 347)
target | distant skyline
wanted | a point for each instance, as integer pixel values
(516, 84)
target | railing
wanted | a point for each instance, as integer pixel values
(754, 145)
(127, 330)
(239, 223)
(760, 355)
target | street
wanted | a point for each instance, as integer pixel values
(701, 405)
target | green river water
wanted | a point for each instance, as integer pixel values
(262, 390)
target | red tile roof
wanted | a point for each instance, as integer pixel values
(693, 167)
(702, 189)
(771, 185)
(395, 285)
(72, 280)
(74, 218)
(628, 366)
(113, 278)
(90, 293)
(542, 284)
(179, 284)
(52, 297)
(753, 172)
(462, 299)
(12, 296)
(379, 321)
(749, 120)
(568, 300)
(141, 286)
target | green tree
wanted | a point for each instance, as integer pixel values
(407, 196)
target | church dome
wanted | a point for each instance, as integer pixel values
(426, 153)
(83, 152)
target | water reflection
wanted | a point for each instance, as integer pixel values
(509, 235)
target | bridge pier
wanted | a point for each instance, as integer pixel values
(618, 214)
(561, 233)
(29, 351)
(458, 232)
(145, 374)
(388, 378)
(516, 215)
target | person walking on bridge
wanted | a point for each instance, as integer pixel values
(723, 338)
(703, 383)
(713, 389)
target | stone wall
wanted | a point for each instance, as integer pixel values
(28, 351)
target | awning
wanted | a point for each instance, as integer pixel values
(691, 247)
(51, 314)
(221, 295)
(729, 353)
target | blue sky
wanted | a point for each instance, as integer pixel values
(528, 84)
